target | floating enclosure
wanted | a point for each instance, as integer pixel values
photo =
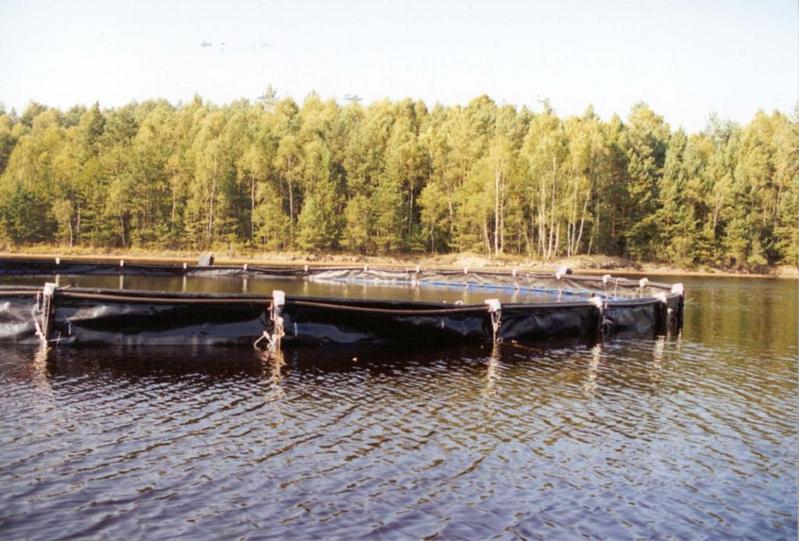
(541, 306)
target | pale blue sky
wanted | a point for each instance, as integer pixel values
(687, 59)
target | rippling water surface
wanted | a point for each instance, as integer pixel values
(683, 436)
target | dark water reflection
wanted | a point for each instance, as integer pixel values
(687, 436)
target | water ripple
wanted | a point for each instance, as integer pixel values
(684, 436)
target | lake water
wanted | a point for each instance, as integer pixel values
(682, 436)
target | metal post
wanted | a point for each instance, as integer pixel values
(642, 283)
(276, 317)
(663, 312)
(602, 323)
(278, 332)
(495, 312)
(42, 322)
(679, 289)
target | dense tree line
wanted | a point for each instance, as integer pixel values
(399, 177)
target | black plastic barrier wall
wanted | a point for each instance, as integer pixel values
(587, 306)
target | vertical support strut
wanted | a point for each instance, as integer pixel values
(560, 272)
(606, 280)
(278, 302)
(663, 313)
(642, 283)
(679, 289)
(276, 317)
(495, 311)
(602, 323)
(45, 310)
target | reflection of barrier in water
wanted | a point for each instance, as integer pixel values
(492, 371)
(570, 361)
(590, 385)
(274, 363)
(40, 376)
(657, 359)
(559, 305)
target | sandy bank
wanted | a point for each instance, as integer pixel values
(595, 264)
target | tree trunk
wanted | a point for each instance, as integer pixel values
(485, 235)
(496, 210)
(291, 212)
(410, 207)
(557, 240)
(542, 226)
(252, 208)
(122, 228)
(582, 224)
(212, 203)
(502, 215)
(451, 217)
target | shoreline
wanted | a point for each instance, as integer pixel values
(592, 265)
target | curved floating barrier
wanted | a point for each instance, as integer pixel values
(582, 306)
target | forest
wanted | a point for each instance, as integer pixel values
(401, 177)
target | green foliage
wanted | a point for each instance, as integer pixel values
(319, 221)
(359, 225)
(396, 177)
(18, 204)
(644, 143)
(271, 221)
